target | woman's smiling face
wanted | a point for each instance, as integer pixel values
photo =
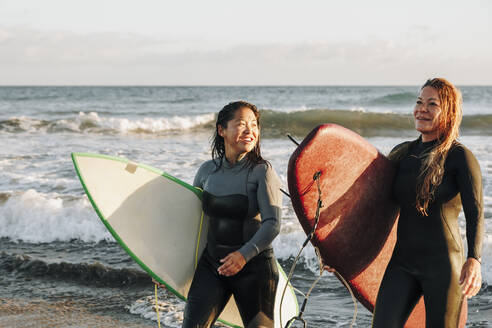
(241, 133)
(427, 113)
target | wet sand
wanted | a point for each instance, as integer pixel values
(22, 313)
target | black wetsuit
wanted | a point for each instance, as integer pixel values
(243, 205)
(428, 256)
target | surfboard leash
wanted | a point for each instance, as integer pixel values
(157, 307)
(306, 297)
(198, 240)
(299, 317)
(339, 276)
(310, 236)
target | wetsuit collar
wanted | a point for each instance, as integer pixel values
(423, 148)
(239, 163)
(428, 143)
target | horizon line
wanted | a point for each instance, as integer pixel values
(229, 85)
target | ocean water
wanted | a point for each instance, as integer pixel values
(53, 247)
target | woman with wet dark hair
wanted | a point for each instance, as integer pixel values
(436, 176)
(242, 198)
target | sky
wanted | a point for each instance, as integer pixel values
(254, 42)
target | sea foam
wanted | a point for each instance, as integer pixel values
(92, 122)
(35, 217)
(145, 125)
(170, 309)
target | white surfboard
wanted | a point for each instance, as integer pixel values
(158, 220)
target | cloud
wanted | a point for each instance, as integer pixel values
(40, 57)
(29, 47)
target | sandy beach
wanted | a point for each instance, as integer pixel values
(23, 313)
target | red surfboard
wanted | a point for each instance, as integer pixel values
(356, 232)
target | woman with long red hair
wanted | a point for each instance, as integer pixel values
(436, 175)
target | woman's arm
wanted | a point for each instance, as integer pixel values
(469, 180)
(269, 198)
